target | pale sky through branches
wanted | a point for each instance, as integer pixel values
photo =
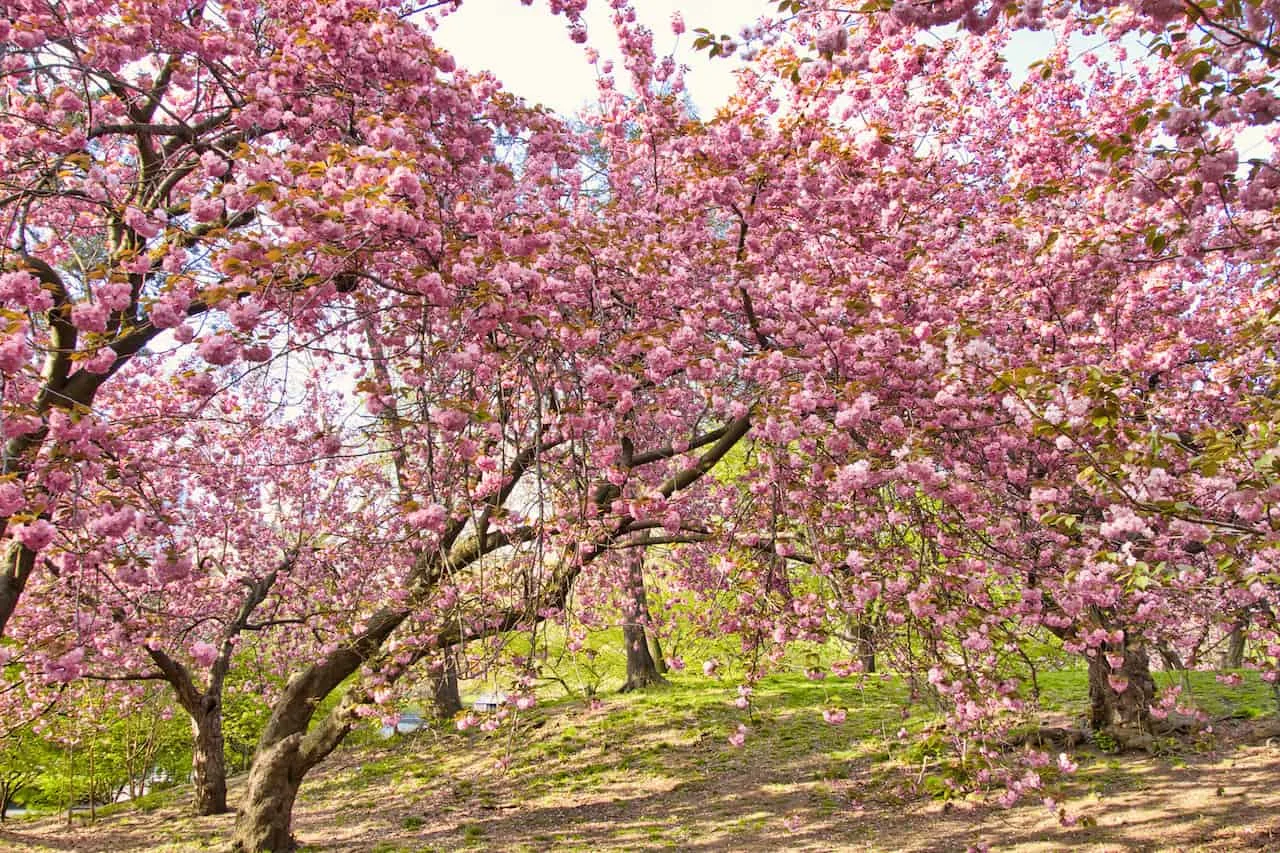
(533, 56)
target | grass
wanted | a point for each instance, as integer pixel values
(583, 774)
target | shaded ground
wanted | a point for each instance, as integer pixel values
(660, 775)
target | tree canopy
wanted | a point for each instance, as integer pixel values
(321, 351)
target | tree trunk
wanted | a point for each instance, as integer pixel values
(445, 701)
(866, 637)
(1130, 707)
(264, 821)
(1172, 661)
(642, 672)
(655, 651)
(19, 562)
(1233, 657)
(208, 760)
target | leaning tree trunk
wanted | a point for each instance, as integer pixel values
(642, 671)
(264, 821)
(208, 760)
(1130, 707)
(445, 700)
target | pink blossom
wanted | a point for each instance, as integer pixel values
(206, 209)
(431, 517)
(140, 222)
(832, 40)
(203, 653)
(219, 350)
(739, 737)
(11, 498)
(14, 353)
(34, 535)
(90, 316)
(449, 420)
(244, 314)
(834, 716)
(68, 667)
(21, 289)
(101, 362)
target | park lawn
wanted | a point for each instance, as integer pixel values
(655, 771)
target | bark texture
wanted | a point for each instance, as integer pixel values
(1129, 708)
(445, 700)
(642, 670)
(208, 760)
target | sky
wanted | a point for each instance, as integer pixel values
(530, 51)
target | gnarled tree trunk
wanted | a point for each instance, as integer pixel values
(208, 759)
(264, 821)
(1130, 707)
(290, 745)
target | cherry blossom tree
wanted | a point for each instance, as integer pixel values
(999, 354)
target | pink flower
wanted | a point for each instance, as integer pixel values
(710, 666)
(206, 209)
(219, 350)
(449, 420)
(13, 353)
(66, 668)
(431, 517)
(215, 166)
(203, 653)
(244, 314)
(739, 737)
(834, 716)
(170, 568)
(140, 222)
(102, 361)
(34, 535)
(257, 352)
(90, 317)
(11, 498)
(832, 41)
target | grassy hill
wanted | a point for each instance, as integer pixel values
(656, 771)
